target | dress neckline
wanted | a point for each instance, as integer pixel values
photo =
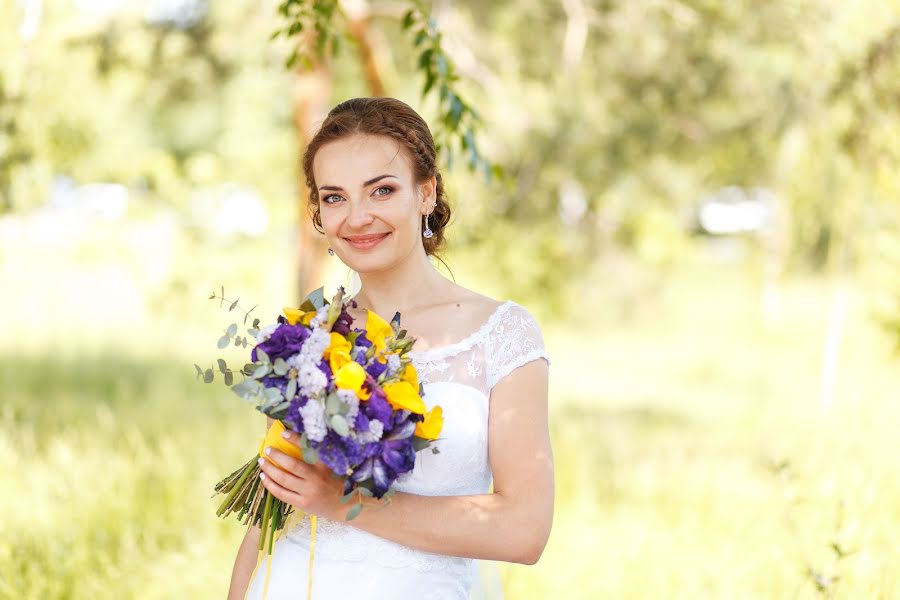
(468, 341)
(465, 343)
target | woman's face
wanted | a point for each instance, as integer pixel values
(370, 206)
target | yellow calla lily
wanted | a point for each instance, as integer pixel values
(273, 438)
(377, 329)
(402, 395)
(431, 427)
(338, 352)
(411, 376)
(351, 377)
(296, 315)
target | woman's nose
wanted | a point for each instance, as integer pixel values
(359, 214)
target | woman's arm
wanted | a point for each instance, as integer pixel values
(247, 555)
(244, 564)
(512, 524)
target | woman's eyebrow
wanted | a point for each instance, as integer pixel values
(367, 183)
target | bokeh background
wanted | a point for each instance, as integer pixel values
(701, 206)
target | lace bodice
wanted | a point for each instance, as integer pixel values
(458, 377)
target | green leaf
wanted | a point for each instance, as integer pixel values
(255, 323)
(291, 390)
(281, 367)
(317, 298)
(408, 19)
(348, 497)
(223, 342)
(229, 378)
(222, 366)
(339, 424)
(199, 370)
(261, 371)
(366, 492)
(253, 332)
(419, 443)
(261, 356)
(233, 304)
(421, 36)
(232, 329)
(208, 376)
(333, 404)
(310, 455)
(248, 369)
(354, 512)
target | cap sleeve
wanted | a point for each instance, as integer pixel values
(515, 340)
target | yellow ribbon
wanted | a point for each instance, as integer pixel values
(273, 438)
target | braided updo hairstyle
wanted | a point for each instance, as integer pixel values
(392, 118)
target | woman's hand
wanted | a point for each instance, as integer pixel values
(310, 488)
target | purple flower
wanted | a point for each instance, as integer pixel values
(399, 455)
(377, 407)
(362, 340)
(376, 369)
(342, 324)
(283, 343)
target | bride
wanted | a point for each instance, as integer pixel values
(373, 181)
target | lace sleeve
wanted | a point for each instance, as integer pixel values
(515, 340)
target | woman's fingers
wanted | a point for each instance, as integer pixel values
(298, 467)
(279, 491)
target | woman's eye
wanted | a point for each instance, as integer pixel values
(389, 190)
(327, 199)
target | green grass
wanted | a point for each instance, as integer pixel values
(666, 429)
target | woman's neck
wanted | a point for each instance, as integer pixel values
(401, 288)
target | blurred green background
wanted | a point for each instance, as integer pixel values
(702, 210)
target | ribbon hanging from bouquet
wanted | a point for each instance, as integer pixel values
(274, 439)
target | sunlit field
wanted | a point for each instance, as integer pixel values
(694, 457)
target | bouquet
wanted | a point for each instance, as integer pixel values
(352, 394)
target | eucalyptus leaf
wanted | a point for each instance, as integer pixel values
(229, 378)
(261, 356)
(348, 497)
(340, 426)
(232, 329)
(366, 492)
(281, 367)
(253, 332)
(222, 366)
(273, 394)
(199, 369)
(223, 342)
(208, 376)
(310, 455)
(291, 389)
(354, 512)
(261, 371)
(333, 404)
(420, 443)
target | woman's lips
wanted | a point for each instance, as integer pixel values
(364, 243)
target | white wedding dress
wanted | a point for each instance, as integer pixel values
(354, 564)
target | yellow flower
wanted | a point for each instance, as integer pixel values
(411, 376)
(402, 395)
(273, 438)
(376, 330)
(431, 427)
(295, 315)
(351, 377)
(338, 352)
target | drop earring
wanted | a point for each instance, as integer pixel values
(428, 232)
(330, 250)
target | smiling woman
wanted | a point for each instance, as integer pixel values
(377, 196)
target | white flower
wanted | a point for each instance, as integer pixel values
(311, 379)
(313, 415)
(376, 430)
(321, 315)
(393, 364)
(349, 398)
(266, 332)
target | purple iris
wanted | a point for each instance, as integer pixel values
(284, 342)
(376, 369)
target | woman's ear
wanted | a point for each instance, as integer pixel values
(428, 195)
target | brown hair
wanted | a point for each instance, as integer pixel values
(392, 118)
